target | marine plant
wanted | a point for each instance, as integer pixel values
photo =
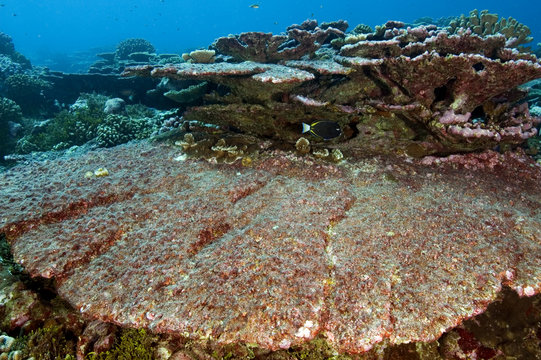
(49, 343)
(133, 345)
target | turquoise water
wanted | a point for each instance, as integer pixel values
(53, 29)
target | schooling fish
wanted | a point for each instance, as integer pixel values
(324, 129)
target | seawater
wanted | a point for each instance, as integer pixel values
(58, 32)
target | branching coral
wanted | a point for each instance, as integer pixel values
(484, 23)
(69, 127)
(118, 129)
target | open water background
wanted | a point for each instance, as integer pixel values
(57, 32)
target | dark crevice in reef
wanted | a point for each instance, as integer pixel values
(45, 288)
(383, 86)
(443, 95)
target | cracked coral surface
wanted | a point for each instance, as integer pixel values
(369, 250)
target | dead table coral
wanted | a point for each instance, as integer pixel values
(446, 92)
(274, 254)
(299, 41)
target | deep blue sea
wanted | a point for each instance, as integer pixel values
(57, 32)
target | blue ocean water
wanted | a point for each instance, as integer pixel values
(56, 31)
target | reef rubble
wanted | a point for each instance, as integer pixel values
(287, 248)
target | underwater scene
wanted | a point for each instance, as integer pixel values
(221, 180)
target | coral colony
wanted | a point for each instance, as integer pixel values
(406, 207)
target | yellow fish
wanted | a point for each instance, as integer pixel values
(254, 6)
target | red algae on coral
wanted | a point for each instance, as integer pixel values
(275, 254)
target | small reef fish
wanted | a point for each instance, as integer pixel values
(324, 129)
(254, 6)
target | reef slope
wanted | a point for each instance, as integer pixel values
(369, 250)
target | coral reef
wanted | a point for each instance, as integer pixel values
(8, 53)
(6, 44)
(70, 127)
(107, 122)
(200, 56)
(27, 91)
(66, 88)
(246, 239)
(362, 29)
(130, 52)
(187, 95)
(270, 253)
(114, 106)
(300, 40)
(132, 345)
(8, 67)
(10, 112)
(119, 129)
(127, 47)
(484, 23)
(388, 89)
